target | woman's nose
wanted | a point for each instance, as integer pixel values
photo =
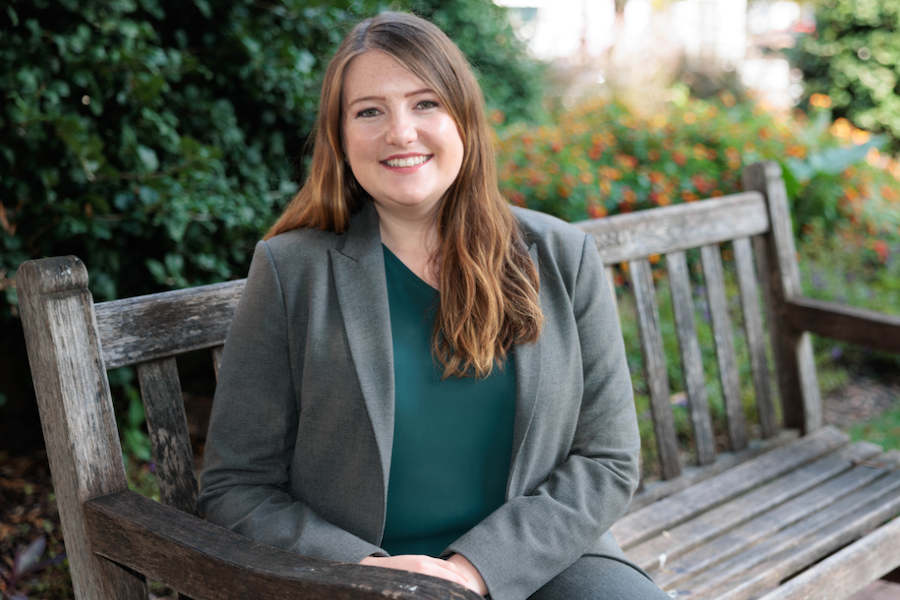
(401, 129)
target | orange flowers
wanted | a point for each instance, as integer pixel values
(820, 101)
(596, 211)
(882, 250)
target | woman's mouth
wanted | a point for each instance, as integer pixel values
(409, 161)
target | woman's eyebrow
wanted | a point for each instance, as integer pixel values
(382, 98)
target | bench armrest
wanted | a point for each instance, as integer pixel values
(205, 561)
(847, 323)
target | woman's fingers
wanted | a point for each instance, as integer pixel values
(415, 563)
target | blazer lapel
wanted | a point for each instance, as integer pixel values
(362, 295)
(528, 379)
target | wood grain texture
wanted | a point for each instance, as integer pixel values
(847, 571)
(631, 236)
(76, 413)
(808, 541)
(850, 324)
(169, 437)
(717, 564)
(145, 328)
(753, 328)
(670, 512)
(691, 360)
(721, 325)
(655, 367)
(658, 490)
(751, 509)
(777, 262)
(208, 562)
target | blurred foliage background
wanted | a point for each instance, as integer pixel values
(853, 58)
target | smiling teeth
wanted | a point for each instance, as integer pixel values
(406, 162)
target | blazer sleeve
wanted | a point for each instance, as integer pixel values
(253, 431)
(532, 538)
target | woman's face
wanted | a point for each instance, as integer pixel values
(402, 144)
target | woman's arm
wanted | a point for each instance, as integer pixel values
(253, 431)
(534, 537)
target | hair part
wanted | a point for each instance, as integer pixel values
(489, 285)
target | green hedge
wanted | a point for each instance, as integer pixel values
(854, 58)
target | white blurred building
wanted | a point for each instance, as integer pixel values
(710, 34)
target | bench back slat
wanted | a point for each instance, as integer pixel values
(168, 429)
(721, 323)
(780, 278)
(753, 327)
(144, 328)
(217, 359)
(655, 367)
(691, 360)
(624, 237)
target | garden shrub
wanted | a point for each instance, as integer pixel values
(853, 59)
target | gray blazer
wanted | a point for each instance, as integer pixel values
(298, 453)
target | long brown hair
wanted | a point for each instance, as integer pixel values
(489, 286)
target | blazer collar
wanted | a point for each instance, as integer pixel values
(362, 295)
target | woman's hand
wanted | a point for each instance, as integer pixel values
(425, 565)
(473, 578)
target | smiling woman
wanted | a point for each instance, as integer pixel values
(418, 376)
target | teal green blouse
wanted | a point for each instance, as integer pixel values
(452, 439)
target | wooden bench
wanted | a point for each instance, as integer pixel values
(734, 526)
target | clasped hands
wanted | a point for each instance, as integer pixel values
(457, 568)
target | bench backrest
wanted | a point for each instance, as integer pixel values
(72, 342)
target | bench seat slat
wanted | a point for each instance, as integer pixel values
(742, 539)
(144, 328)
(781, 556)
(670, 512)
(740, 572)
(691, 360)
(630, 236)
(713, 537)
(753, 327)
(169, 437)
(721, 323)
(693, 475)
(687, 536)
(655, 367)
(847, 571)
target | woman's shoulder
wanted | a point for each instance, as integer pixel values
(302, 242)
(550, 233)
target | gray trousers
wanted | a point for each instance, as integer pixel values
(600, 578)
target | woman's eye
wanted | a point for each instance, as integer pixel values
(369, 112)
(427, 104)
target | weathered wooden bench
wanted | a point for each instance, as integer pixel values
(739, 525)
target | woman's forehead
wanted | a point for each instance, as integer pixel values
(376, 72)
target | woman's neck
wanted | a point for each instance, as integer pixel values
(414, 241)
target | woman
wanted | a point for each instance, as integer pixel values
(418, 377)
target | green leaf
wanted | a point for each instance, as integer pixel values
(156, 269)
(148, 158)
(204, 8)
